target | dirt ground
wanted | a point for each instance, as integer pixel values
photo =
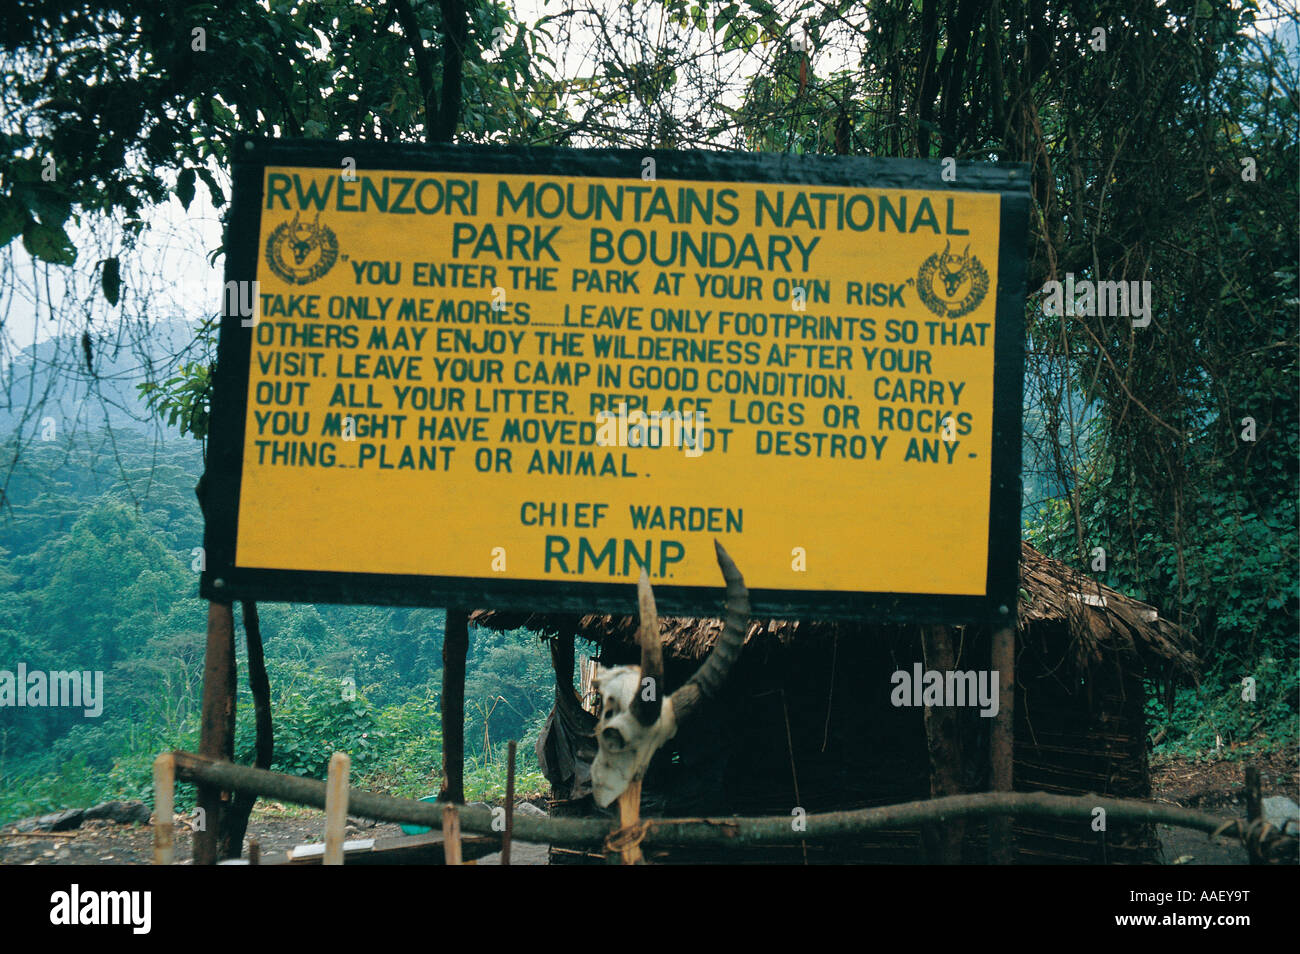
(1214, 787)
(277, 828)
(1217, 788)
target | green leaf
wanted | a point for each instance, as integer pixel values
(214, 190)
(13, 216)
(49, 243)
(111, 279)
(49, 205)
(185, 187)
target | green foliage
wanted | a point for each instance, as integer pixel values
(1230, 577)
(1217, 719)
(183, 399)
(72, 784)
(127, 103)
(408, 747)
(131, 776)
(486, 781)
(316, 719)
(97, 575)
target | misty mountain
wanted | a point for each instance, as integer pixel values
(55, 389)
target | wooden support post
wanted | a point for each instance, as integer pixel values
(336, 807)
(562, 658)
(943, 842)
(455, 647)
(1002, 747)
(254, 852)
(216, 729)
(629, 816)
(510, 802)
(234, 820)
(1254, 812)
(164, 805)
(451, 834)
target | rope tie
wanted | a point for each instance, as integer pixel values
(624, 839)
(1260, 836)
(1222, 829)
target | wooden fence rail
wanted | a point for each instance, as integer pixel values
(740, 832)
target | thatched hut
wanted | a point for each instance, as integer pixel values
(807, 720)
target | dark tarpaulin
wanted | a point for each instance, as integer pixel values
(566, 746)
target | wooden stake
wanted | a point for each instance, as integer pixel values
(336, 807)
(164, 803)
(216, 729)
(1002, 743)
(943, 842)
(510, 802)
(254, 851)
(1254, 811)
(629, 815)
(451, 834)
(455, 646)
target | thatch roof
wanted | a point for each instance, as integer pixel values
(1100, 621)
(1098, 618)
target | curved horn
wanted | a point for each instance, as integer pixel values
(645, 710)
(709, 678)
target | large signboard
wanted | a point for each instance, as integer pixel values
(512, 378)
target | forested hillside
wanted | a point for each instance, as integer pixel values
(98, 571)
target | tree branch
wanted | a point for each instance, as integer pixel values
(455, 27)
(737, 831)
(423, 64)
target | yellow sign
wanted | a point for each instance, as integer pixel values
(561, 378)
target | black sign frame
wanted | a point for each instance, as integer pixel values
(223, 581)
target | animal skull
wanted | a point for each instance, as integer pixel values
(635, 720)
(625, 745)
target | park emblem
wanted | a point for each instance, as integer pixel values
(952, 285)
(300, 253)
